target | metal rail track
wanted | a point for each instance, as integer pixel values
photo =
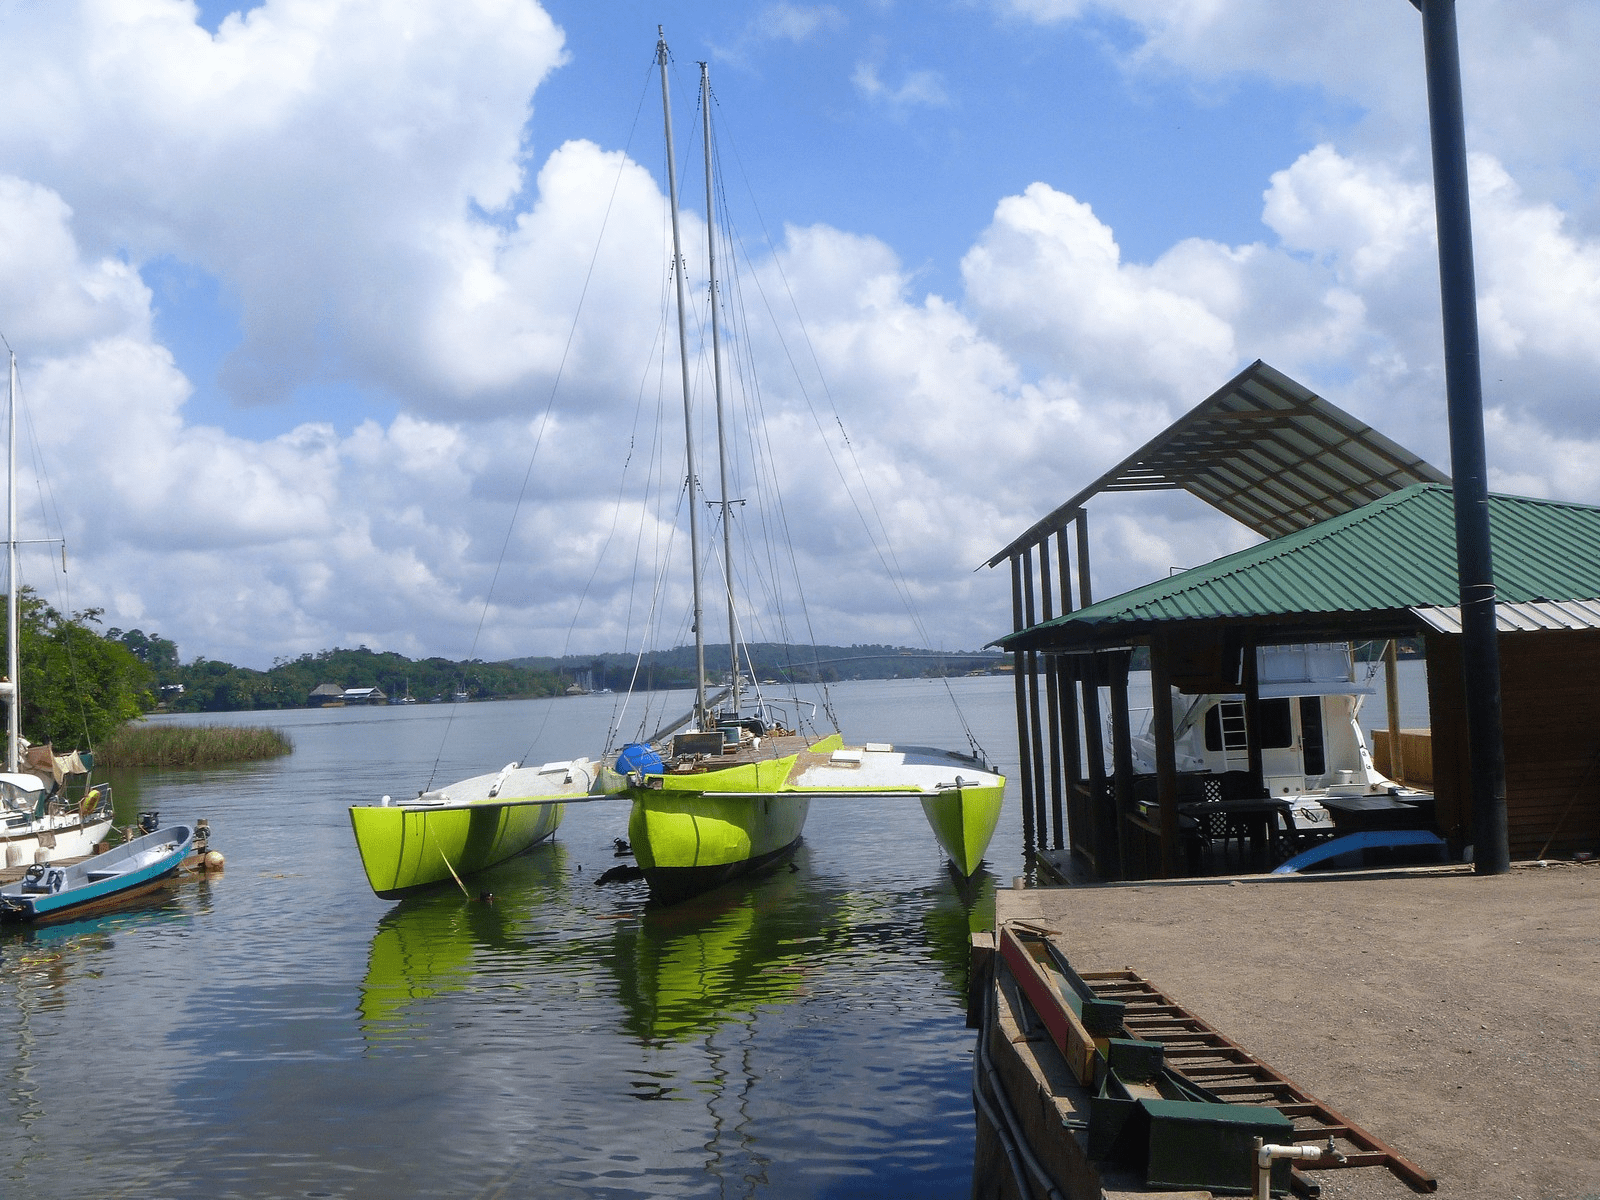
(1220, 1065)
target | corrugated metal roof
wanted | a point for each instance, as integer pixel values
(1266, 451)
(1394, 554)
(1530, 617)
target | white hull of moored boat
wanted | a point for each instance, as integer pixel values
(54, 842)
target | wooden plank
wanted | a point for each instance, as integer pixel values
(1066, 1031)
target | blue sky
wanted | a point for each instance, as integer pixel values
(973, 107)
(299, 282)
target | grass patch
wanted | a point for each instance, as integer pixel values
(138, 744)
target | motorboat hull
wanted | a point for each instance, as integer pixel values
(58, 892)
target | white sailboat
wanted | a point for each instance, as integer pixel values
(41, 825)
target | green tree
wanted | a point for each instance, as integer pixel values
(77, 686)
(158, 653)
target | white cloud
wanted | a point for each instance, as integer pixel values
(1528, 96)
(353, 173)
(918, 88)
(796, 22)
(1048, 280)
(316, 154)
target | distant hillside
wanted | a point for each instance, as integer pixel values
(772, 660)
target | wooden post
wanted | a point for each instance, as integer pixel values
(1122, 757)
(1252, 716)
(1052, 703)
(1166, 753)
(1035, 733)
(1391, 687)
(1109, 834)
(1069, 706)
(1019, 671)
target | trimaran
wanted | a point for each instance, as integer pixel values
(729, 792)
(716, 795)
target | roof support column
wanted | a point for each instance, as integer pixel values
(1122, 757)
(1166, 752)
(1019, 675)
(1252, 716)
(1391, 695)
(1035, 732)
(1069, 705)
(1047, 665)
(1468, 460)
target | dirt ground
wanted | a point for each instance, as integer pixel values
(1455, 1017)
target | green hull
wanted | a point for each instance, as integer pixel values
(690, 842)
(963, 820)
(404, 849)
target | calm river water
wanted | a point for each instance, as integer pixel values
(278, 1031)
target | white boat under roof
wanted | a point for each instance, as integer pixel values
(1312, 746)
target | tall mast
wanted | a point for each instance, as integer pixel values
(13, 613)
(716, 374)
(688, 410)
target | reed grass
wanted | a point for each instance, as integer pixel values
(140, 744)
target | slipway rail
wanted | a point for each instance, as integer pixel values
(1228, 1071)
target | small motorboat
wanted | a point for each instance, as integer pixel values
(54, 890)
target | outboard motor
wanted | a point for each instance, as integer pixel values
(149, 822)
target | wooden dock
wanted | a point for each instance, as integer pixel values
(1456, 1018)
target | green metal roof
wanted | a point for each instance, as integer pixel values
(1397, 553)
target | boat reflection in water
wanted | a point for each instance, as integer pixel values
(442, 942)
(953, 912)
(684, 971)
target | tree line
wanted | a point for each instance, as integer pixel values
(79, 683)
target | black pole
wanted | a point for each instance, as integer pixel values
(1480, 653)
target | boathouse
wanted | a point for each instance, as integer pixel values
(1361, 547)
(327, 695)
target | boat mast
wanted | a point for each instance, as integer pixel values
(688, 410)
(716, 374)
(13, 613)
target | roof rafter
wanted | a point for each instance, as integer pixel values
(1265, 451)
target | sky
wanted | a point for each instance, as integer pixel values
(343, 322)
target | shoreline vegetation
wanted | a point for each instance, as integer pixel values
(206, 685)
(141, 744)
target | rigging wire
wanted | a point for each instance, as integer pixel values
(885, 549)
(544, 424)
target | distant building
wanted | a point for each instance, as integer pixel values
(327, 695)
(364, 695)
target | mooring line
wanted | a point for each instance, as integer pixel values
(444, 858)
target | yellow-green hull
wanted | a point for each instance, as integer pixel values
(963, 821)
(403, 849)
(690, 842)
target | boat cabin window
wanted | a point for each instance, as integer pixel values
(1225, 726)
(17, 799)
(1311, 741)
(1277, 724)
